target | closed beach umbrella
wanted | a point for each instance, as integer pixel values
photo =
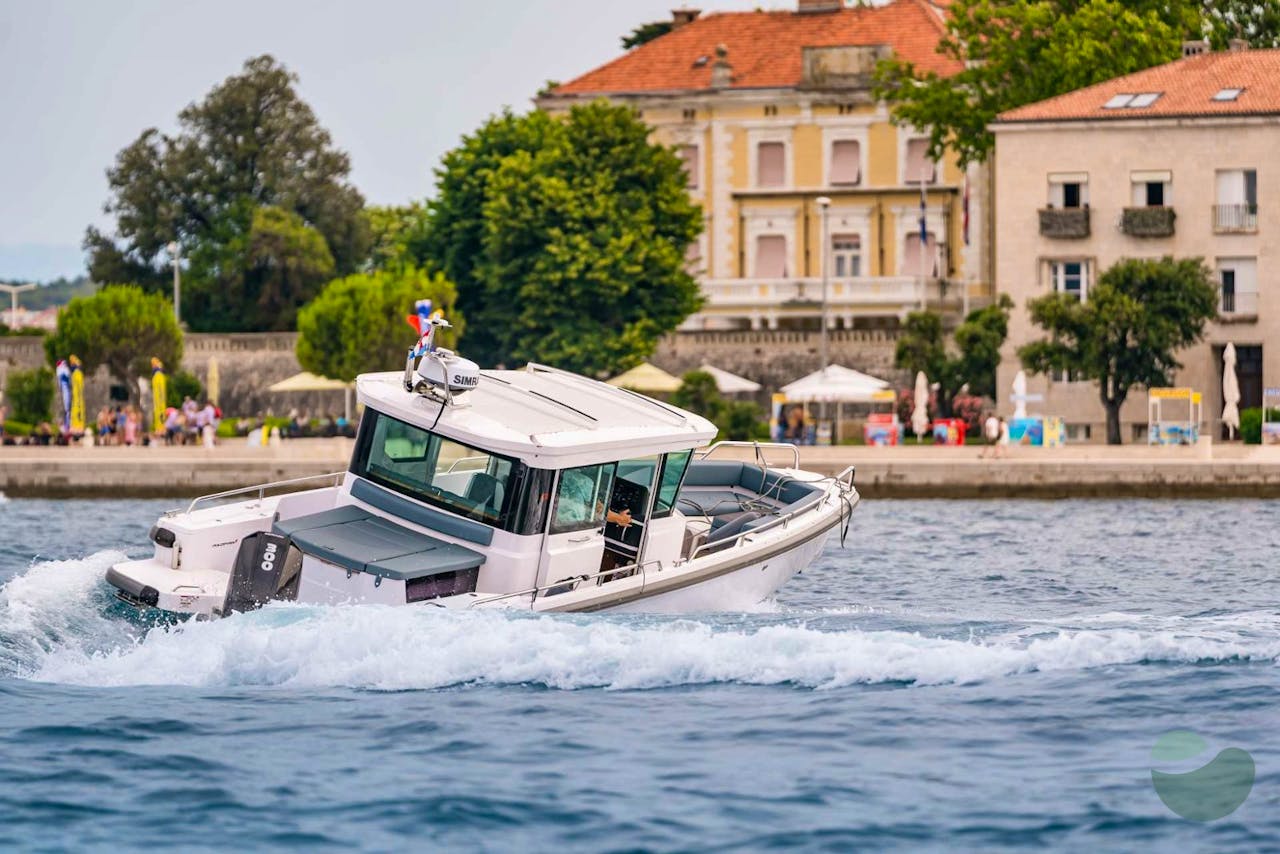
(647, 378)
(920, 412)
(212, 383)
(1230, 391)
(1020, 394)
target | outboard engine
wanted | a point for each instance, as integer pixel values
(267, 569)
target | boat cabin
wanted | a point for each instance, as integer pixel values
(531, 478)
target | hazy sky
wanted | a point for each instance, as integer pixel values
(396, 83)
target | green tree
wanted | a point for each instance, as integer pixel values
(645, 33)
(978, 340)
(357, 324)
(1137, 318)
(566, 238)
(1256, 21)
(251, 143)
(1016, 52)
(736, 419)
(393, 231)
(183, 384)
(120, 326)
(29, 395)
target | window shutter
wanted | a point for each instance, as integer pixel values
(845, 161)
(911, 261)
(771, 166)
(689, 155)
(771, 256)
(919, 166)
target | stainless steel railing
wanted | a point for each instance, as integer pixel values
(758, 447)
(261, 489)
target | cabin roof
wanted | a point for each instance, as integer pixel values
(545, 417)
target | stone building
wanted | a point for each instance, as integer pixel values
(772, 111)
(1174, 160)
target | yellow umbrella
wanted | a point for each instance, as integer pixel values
(645, 377)
(212, 384)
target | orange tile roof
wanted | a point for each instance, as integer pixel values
(1186, 88)
(765, 48)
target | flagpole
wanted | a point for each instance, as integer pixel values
(924, 238)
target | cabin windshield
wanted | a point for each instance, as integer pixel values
(437, 470)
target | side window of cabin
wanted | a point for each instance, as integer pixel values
(673, 469)
(581, 497)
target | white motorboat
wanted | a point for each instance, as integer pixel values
(536, 489)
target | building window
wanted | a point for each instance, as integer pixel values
(1238, 285)
(770, 110)
(688, 155)
(846, 255)
(1068, 189)
(771, 256)
(693, 257)
(919, 168)
(771, 164)
(917, 260)
(1237, 200)
(845, 109)
(1152, 189)
(846, 161)
(689, 114)
(1070, 277)
(1079, 433)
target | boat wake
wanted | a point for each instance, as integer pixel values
(59, 624)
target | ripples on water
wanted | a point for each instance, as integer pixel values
(975, 675)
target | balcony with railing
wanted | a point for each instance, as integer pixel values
(1147, 222)
(1235, 219)
(1237, 305)
(1064, 223)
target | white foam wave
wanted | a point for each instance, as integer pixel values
(58, 606)
(420, 648)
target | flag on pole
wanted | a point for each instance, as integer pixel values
(965, 211)
(924, 210)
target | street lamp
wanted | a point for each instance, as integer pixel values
(175, 253)
(13, 291)
(824, 203)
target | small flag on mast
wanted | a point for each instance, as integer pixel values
(965, 211)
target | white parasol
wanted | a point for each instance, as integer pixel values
(1230, 391)
(1020, 395)
(920, 411)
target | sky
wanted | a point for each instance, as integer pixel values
(397, 83)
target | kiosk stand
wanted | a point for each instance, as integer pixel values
(1163, 425)
(1270, 407)
(883, 428)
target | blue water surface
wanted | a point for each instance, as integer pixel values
(961, 676)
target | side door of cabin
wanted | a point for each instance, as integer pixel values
(574, 541)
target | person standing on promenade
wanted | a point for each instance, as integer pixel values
(1002, 444)
(990, 432)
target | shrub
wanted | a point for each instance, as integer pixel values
(183, 384)
(1251, 424)
(17, 428)
(30, 395)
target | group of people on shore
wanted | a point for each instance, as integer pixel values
(127, 425)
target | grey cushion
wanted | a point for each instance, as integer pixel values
(709, 502)
(427, 517)
(355, 539)
(714, 473)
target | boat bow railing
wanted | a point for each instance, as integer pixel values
(843, 482)
(334, 478)
(758, 447)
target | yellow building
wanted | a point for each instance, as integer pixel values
(773, 115)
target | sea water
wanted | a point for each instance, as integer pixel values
(960, 675)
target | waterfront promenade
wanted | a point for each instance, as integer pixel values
(1221, 470)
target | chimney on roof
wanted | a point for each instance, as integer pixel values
(806, 6)
(1237, 45)
(1195, 48)
(683, 15)
(721, 70)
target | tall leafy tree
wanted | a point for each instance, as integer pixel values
(972, 361)
(357, 324)
(252, 142)
(1137, 318)
(566, 238)
(1017, 52)
(394, 230)
(121, 327)
(1255, 21)
(645, 33)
